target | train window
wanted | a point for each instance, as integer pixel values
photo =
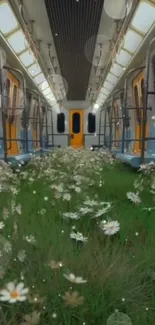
(91, 123)
(76, 122)
(61, 123)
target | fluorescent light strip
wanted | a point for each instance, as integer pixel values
(143, 20)
(18, 43)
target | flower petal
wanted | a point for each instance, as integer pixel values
(10, 286)
(20, 286)
(22, 298)
(4, 292)
(24, 291)
(5, 298)
(12, 300)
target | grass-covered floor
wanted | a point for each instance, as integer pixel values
(36, 248)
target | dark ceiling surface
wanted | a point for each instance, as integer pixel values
(73, 24)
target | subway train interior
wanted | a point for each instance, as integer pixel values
(77, 162)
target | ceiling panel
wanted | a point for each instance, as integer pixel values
(73, 23)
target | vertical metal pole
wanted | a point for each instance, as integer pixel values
(46, 145)
(99, 136)
(105, 125)
(25, 116)
(124, 112)
(52, 125)
(3, 114)
(110, 124)
(40, 123)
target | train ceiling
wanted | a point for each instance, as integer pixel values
(73, 23)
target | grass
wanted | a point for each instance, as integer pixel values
(119, 269)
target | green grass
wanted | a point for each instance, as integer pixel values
(119, 269)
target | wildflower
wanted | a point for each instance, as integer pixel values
(14, 190)
(78, 237)
(30, 239)
(66, 197)
(55, 265)
(7, 246)
(85, 210)
(77, 189)
(71, 215)
(72, 278)
(73, 299)
(134, 197)
(19, 209)
(31, 319)
(14, 293)
(110, 227)
(21, 255)
(103, 210)
(1, 225)
(91, 203)
(42, 211)
(5, 214)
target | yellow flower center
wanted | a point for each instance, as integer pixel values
(14, 294)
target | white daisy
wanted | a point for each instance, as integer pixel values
(21, 255)
(72, 278)
(19, 209)
(78, 237)
(1, 225)
(134, 197)
(103, 210)
(14, 293)
(67, 197)
(30, 239)
(110, 227)
(71, 215)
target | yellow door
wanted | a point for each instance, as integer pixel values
(138, 103)
(76, 128)
(12, 86)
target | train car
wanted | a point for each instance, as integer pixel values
(44, 105)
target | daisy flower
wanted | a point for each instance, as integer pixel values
(72, 278)
(14, 293)
(78, 237)
(134, 197)
(110, 227)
